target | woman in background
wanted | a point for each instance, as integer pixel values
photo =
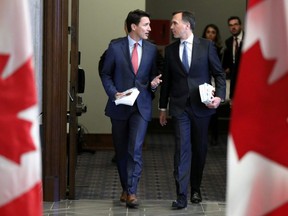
(211, 32)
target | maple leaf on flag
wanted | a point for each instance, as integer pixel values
(266, 112)
(18, 94)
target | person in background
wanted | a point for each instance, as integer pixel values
(130, 62)
(182, 75)
(232, 52)
(211, 32)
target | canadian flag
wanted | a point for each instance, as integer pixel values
(258, 140)
(20, 155)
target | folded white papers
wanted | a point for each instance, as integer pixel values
(129, 97)
(206, 93)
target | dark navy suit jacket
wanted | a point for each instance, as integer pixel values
(178, 86)
(117, 75)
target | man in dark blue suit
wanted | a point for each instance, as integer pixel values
(129, 123)
(180, 89)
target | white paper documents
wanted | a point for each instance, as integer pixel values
(129, 97)
(206, 93)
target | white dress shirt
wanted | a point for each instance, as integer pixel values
(189, 46)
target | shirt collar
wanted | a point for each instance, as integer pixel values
(132, 42)
(240, 36)
(189, 39)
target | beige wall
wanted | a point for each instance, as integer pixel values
(100, 21)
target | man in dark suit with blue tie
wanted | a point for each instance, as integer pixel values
(180, 89)
(130, 62)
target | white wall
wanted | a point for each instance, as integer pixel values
(100, 21)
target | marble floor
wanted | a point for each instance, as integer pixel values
(115, 208)
(97, 177)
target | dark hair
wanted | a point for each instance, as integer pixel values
(234, 17)
(134, 17)
(187, 16)
(218, 40)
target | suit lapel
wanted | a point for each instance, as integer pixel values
(176, 55)
(126, 54)
(195, 51)
(146, 49)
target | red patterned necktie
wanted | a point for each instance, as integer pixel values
(134, 58)
(236, 45)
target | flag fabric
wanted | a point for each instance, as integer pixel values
(258, 139)
(20, 155)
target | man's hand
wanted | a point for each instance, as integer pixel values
(156, 81)
(163, 118)
(214, 103)
(119, 95)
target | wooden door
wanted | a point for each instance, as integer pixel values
(54, 117)
(73, 121)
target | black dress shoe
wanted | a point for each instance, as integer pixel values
(179, 204)
(196, 197)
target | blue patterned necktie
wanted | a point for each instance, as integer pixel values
(185, 57)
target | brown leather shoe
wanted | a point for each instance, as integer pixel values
(132, 201)
(123, 196)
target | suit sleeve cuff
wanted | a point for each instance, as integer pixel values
(162, 109)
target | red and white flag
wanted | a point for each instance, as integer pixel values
(258, 140)
(20, 155)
